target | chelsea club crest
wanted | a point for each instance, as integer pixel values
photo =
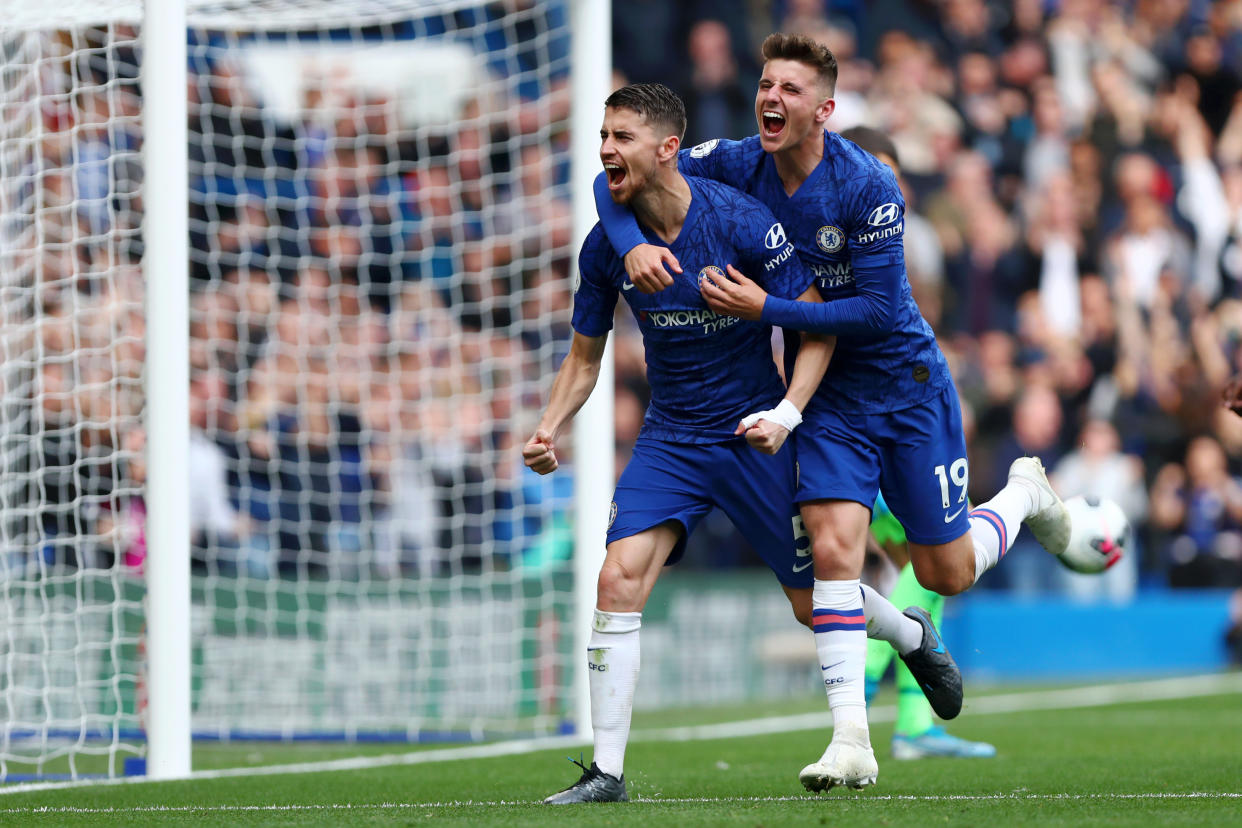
(829, 238)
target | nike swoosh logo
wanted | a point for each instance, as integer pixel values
(627, 286)
(949, 518)
(830, 666)
(797, 568)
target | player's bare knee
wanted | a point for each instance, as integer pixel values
(957, 581)
(944, 580)
(618, 589)
(833, 558)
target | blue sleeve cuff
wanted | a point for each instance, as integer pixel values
(785, 313)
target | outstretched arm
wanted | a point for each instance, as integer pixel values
(876, 259)
(573, 385)
(871, 311)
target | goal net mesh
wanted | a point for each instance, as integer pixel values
(380, 268)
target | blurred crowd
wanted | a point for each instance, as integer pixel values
(378, 306)
(1073, 174)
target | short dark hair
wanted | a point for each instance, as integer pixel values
(873, 141)
(780, 46)
(658, 104)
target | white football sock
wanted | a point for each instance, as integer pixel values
(887, 623)
(841, 641)
(994, 525)
(612, 662)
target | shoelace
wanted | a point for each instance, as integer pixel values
(586, 770)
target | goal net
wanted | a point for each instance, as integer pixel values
(380, 255)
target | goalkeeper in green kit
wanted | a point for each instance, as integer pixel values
(916, 735)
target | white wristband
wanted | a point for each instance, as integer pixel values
(786, 415)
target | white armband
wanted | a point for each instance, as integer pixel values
(786, 415)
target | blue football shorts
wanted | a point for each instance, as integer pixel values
(916, 456)
(683, 482)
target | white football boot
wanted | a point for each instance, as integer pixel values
(848, 761)
(1050, 524)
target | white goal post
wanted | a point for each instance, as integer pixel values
(280, 301)
(165, 270)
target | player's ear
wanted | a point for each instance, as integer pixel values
(825, 109)
(669, 148)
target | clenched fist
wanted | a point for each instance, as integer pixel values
(539, 453)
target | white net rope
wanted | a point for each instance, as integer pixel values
(379, 260)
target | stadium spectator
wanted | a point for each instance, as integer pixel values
(1047, 151)
(122, 524)
(221, 539)
(1055, 245)
(717, 98)
(257, 298)
(981, 103)
(808, 17)
(1036, 429)
(231, 233)
(1098, 468)
(92, 162)
(909, 96)
(408, 520)
(538, 213)
(1198, 504)
(646, 36)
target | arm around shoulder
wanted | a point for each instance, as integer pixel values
(644, 262)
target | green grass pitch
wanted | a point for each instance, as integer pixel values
(1161, 762)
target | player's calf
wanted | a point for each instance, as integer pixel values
(800, 601)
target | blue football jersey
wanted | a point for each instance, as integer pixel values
(849, 213)
(706, 370)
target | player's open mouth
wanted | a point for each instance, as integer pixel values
(615, 175)
(773, 122)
